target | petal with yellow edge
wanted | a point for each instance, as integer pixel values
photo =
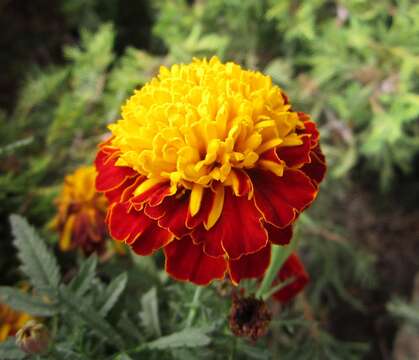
(279, 236)
(109, 175)
(316, 169)
(187, 261)
(250, 266)
(171, 214)
(239, 231)
(137, 229)
(152, 192)
(280, 198)
(295, 156)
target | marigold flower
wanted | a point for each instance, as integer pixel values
(293, 270)
(210, 163)
(11, 321)
(80, 218)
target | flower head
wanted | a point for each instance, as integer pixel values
(11, 321)
(209, 162)
(80, 218)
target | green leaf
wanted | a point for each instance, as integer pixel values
(128, 327)
(83, 280)
(38, 263)
(186, 338)
(10, 351)
(20, 301)
(113, 292)
(85, 312)
(150, 312)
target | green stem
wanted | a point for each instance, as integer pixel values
(278, 257)
(194, 306)
(278, 287)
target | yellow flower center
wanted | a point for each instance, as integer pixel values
(194, 124)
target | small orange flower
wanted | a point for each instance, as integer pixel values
(80, 219)
(210, 163)
(11, 321)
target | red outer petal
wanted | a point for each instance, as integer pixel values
(205, 209)
(295, 155)
(109, 175)
(292, 268)
(125, 225)
(279, 236)
(115, 195)
(279, 198)
(186, 261)
(211, 244)
(171, 214)
(153, 196)
(131, 226)
(250, 266)
(124, 192)
(316, 169)
(310, 128)
(271, 155)
(239, 228)
(245, 184)
(152, 239)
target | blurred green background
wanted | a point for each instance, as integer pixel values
(68, 65)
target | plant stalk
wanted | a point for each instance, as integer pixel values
(194, 306)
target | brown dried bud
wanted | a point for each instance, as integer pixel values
(33, 338)
(249, 317)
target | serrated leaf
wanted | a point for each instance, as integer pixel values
(150, 312)
(113, 292)
(83, 280)
(20, 301)
(10, 351)
(38, 263)
(85, 312)
(186, 338)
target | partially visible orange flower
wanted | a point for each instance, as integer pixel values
(211, 163)
(80, 219)
(11, 321)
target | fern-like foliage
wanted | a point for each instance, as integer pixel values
(38, 264)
